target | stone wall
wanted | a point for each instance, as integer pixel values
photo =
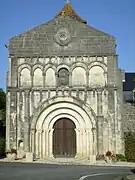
(129, 117)
(44, 40)
(88, 55)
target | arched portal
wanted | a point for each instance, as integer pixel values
(52, 114)
(64, 138)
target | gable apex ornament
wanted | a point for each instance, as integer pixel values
(67, 10)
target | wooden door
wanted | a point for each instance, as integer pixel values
(64, 138)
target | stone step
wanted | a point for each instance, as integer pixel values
(74, 161)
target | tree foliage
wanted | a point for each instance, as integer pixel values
(2, 106)
(130, 146)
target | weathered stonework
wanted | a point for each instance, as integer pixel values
(129, 117)
(87, 90)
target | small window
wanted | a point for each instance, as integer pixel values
(63, 77)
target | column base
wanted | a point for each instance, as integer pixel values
(29, 157)
(92, 158)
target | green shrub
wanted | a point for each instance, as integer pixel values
(130, 146)
(2, 146)
(120, 157)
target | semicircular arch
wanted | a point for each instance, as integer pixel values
(22, 66)
(63, 66)
(64, 102)
(50, 66)
(79, 64)
(46, 119)
(36, 66)
(68, 116)
(98, 63)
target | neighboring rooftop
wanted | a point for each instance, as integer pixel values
(129, 83)
(69, 11)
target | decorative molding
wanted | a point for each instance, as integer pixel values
(62, 37)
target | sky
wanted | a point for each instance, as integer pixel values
(115, 17)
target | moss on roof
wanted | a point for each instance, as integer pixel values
(69, 11)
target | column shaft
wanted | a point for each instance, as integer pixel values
(26, 124)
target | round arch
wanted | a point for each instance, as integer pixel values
(68, 116)
(98, 63)
(22, 66)
(67, 102)
(50, 65)
(49, 112)
(63, 66)
(79, 64)
(40, 66)
(49, 119)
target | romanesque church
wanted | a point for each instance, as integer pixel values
(64, 90)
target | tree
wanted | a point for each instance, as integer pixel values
(2, 107)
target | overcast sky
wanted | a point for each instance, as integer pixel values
(116, 17)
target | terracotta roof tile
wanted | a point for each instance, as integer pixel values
(69, 11)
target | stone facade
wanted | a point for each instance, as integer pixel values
(129, 117)
(64, 69)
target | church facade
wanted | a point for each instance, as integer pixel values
(64, 90)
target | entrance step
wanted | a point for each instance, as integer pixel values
(70, 161)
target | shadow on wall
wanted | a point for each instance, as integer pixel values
(133, 171)
(2, 140)
(2, 130)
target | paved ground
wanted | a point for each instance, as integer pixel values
(22, 171)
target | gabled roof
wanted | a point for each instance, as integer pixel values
(69, 11)
(42, 40)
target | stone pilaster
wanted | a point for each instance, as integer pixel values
(32, 101)
(50, 142)
(80, 150)
(39, 142)
(32, 77)
(87, 78)
(99, 103)
(44, 79)
(100, 121)
(94, 148)
(84, 142)
(115, 118)
(41, 95)
(70, 79)
(27, 123)
(33, 140)
(13, 119)
(47, 141)
(85, 95)
(18, 118)
(9, 72)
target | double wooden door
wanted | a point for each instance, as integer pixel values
(64, 138)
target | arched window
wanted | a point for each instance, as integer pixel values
(25, 77)
(38, 77)
(63, 77)
(96, 76)
(50, 78)
(79, 77)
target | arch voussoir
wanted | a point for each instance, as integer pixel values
(54, 109)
